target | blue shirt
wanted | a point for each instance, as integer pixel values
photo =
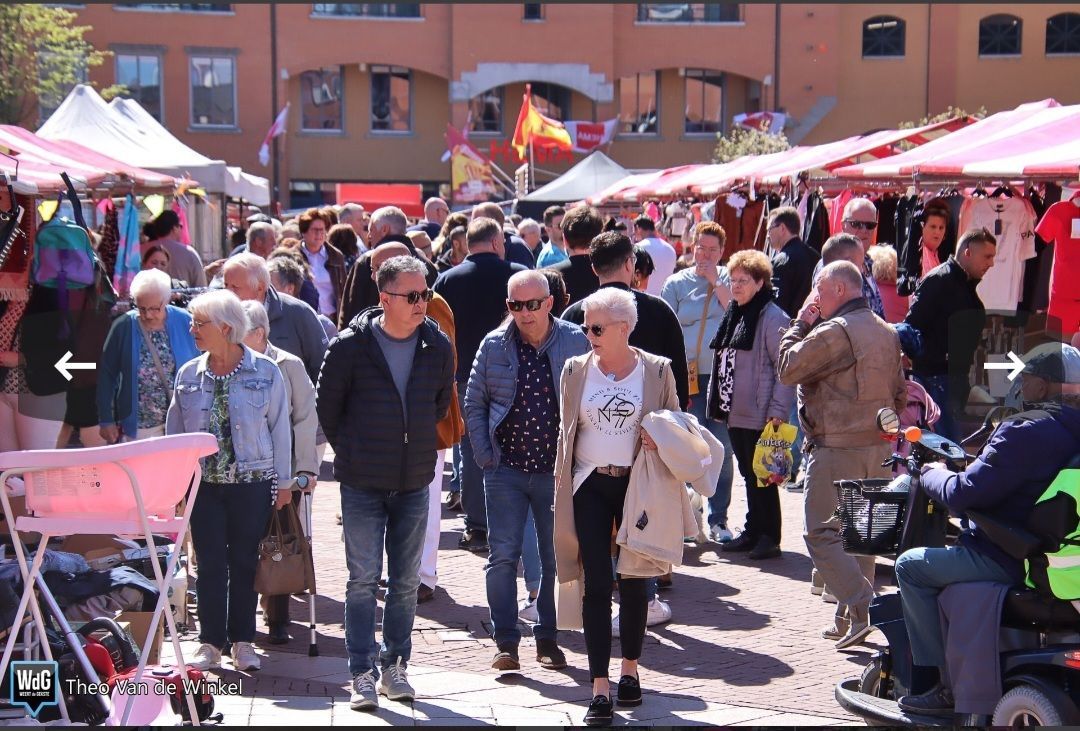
(530, 432)
(549, 256)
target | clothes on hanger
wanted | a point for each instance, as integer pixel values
(1012, 221)
(739, 217)
(886, 207)
(1061, 224)
(1037, 271)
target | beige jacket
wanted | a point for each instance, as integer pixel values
(305, 421)
(847, 368)
(656, 512)
(659, 393)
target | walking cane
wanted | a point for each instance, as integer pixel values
(313, 646)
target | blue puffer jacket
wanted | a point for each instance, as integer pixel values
(1020, 460)
(493, 381)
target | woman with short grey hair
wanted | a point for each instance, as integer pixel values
(139, 359)
(239, 396)
(604, 394)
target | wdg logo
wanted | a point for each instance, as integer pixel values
(34, 685)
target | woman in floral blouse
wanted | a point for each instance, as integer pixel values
(138, 363)
(239, 396)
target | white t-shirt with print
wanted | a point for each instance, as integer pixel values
(608, 421)
(1012, 221)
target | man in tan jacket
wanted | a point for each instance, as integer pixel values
(846, 363)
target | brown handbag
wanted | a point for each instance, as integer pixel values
(285, 562)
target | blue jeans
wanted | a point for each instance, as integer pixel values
(921, 574)
(721, 499)
(939, 389)
(470, 479)
(367, 516)
(511, 494)
(530, 556)
(227, 523)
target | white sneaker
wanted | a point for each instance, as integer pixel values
(206, 657)
(615, 627)
(527, 611)
(659, 612)
(394, 683)
(827, 597)
(720, 534)
(244, 657)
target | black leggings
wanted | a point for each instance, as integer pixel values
(598, 505)
(762, 503)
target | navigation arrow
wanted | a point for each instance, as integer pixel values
(64, 365)
(1014, 368)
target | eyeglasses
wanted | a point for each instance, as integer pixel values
(530, 305)
(742, 282)
(864, 225)
(414, 297)
(596, 330)
(148, 310)
(196, 324)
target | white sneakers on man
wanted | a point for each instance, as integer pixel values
(244, 657)
(206, 657)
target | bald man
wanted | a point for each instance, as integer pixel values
(435, 213)
(448, 431)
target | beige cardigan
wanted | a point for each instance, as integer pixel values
(659, 393)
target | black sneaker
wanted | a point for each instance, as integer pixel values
(629, 691)
(745, 542)
(474, 541)
(938, 701)
(549, 655)
(453, 501)
(764, 548)
(600, 712)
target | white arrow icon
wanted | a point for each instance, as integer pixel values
(1014, 367)
(64, 365)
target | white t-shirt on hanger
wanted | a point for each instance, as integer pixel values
(1012, 221)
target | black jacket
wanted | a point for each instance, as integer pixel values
(577, 272)
(517, 252)
(376, 446)
(360, 291)
(476, 291)
(657, 332)
(947, 312)
(793, 275)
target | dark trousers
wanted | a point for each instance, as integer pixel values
(598, 506)
(763, 503)
(471, 479)
(227, 523)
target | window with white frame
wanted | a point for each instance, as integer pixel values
(321, 102)
(391, 99)
(213, 91)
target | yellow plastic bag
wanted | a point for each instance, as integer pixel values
(772, 456)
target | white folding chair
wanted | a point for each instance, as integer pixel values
(130, 489)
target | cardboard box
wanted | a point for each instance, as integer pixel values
(140, 623)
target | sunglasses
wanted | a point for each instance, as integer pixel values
(414, 297)
(530, 305)
(596, 330)
(864, 225)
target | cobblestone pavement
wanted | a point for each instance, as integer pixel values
(744, 647)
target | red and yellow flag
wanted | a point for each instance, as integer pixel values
(536, 129)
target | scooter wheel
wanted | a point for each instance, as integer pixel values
(870, 680)
(1026, 705)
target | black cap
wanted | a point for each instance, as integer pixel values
(1047, 366)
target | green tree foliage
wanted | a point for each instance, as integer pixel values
(42, 55)
(742, 141)
(950, 113)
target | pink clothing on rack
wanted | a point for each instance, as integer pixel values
(181, 212)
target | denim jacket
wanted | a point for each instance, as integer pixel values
(258, 411)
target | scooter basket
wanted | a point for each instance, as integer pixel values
(871, 516)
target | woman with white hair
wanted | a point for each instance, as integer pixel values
(305, 431)
(138, 363)
(604, 394)
(239, 396)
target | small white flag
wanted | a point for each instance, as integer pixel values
(276, 129)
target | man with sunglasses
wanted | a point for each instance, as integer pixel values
(387, 381)
(474, 289)
(861, 220)
(512, 411)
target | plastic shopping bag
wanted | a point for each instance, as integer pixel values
(772, 456)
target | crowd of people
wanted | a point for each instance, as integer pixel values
(529, 354)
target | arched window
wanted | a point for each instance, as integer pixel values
(883, 37)
(999, 35)
(486, 111)
(1063, 34)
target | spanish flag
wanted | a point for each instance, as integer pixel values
(536, 129)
